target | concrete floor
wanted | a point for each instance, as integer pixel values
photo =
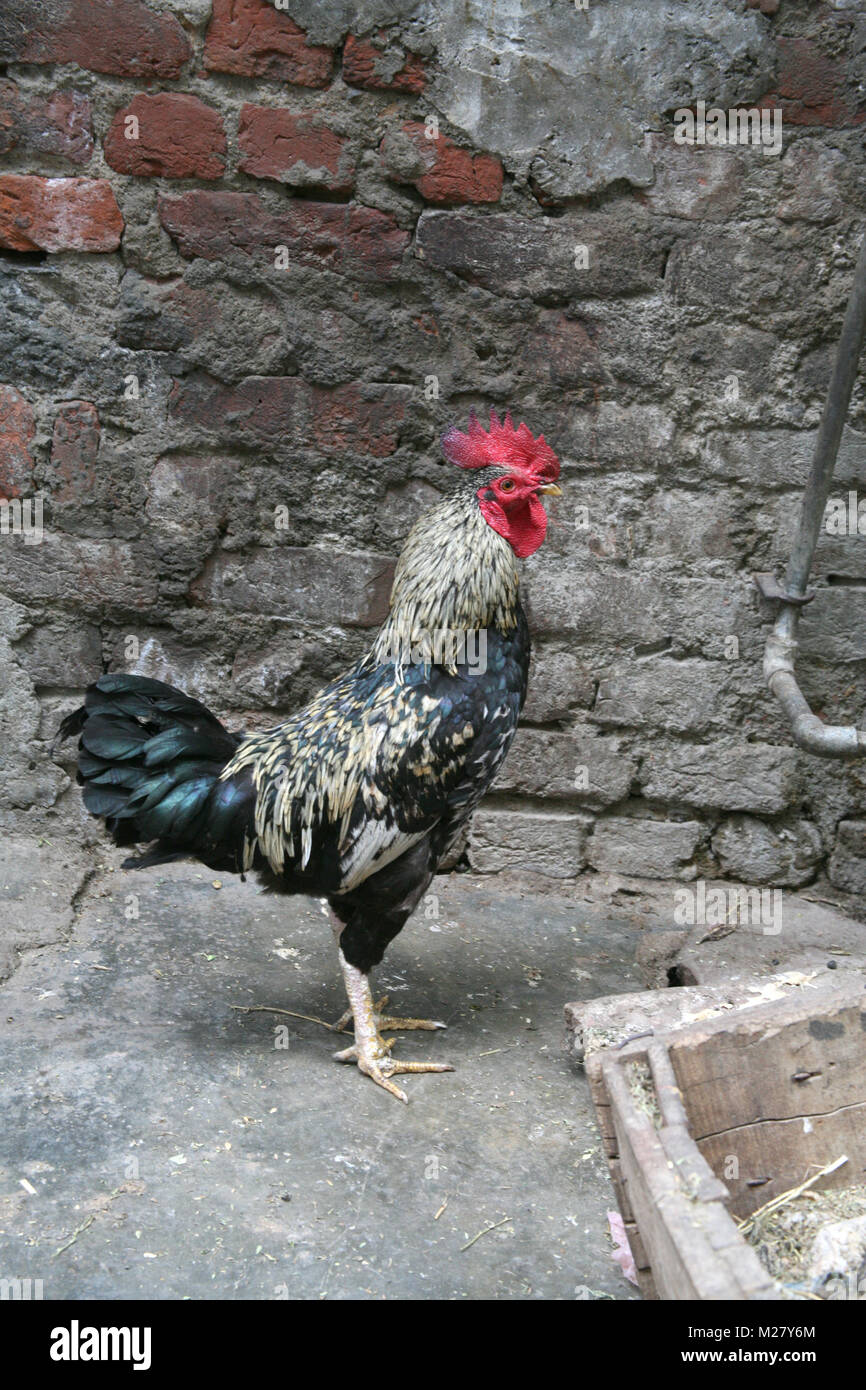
(189, 1150)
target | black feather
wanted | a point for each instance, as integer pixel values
(69, 727)
(149, 760)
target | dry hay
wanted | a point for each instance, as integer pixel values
(784, 1235)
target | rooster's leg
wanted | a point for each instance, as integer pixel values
(370, 1051)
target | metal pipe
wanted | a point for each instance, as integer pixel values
(830, 432)
(827, 740)
(810, 733)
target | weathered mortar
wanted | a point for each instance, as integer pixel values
(680, 375)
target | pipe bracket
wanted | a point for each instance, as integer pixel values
(770, 589)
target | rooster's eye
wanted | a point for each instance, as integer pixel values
(507, 485)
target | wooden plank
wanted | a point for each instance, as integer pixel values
(600, 1100)
(800, 1059)
(675, 1226)
(593, 1025)
(623, 1201)
(679, 1147)
(802, 1055)
(785, 1154)
(769, 1072)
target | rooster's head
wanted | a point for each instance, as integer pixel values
(514, 468)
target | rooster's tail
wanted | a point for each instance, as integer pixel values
(149, 762)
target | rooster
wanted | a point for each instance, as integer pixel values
(359, 797)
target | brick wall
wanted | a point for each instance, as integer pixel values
(255, 259)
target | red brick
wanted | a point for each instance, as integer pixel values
(453, 174)
(251, 38)
(694, 181)
(189, 498)
(181, 481)
(53, 654)
(350, 588)
(206, 324)
(179, 137)
(262, 409)
(39, 214)
(273, 409)
(563, 348)
(124, 37)
(17, 428)
(344, 238)
(344, 421)
(366, 65)
(519, 255)
(169, 316)
(73, 452)
(299, 150)
(97, 574)
(58, 124)
(813, 88)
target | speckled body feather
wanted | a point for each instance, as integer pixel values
(388, 761)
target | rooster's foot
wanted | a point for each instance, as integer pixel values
(370, 1050)
(387, 1022)
(373, 1057)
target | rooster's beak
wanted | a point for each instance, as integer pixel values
(551, 489)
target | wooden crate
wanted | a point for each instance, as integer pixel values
(713, 1099)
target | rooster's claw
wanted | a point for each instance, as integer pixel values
(375, 1061)
(387, 1022)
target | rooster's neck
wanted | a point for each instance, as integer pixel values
(455, 573)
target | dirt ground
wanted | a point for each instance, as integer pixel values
(157, 1142)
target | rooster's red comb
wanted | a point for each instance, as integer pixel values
(502, 443)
